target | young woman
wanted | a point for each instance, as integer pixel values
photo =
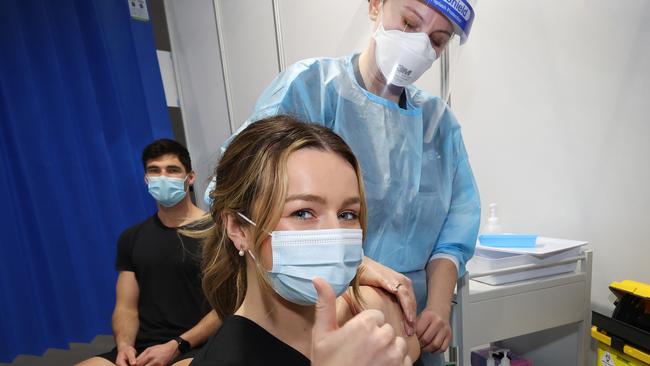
(423, 203)
(289, 207)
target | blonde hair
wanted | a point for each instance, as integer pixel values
(252, 179)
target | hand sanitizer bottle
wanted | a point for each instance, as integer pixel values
(493, 225)
(505, 361)
(490, 360)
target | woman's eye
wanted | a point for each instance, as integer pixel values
(348, 215)
(411, 25)
(439, 42)
(303, 214)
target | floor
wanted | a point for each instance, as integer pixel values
(67, 357)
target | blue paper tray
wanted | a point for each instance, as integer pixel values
(508, 240)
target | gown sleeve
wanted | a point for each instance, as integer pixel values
(457, 238)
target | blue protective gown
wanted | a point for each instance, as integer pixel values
(422, 197)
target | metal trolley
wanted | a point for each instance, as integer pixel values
(484, 314)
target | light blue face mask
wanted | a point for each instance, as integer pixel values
(167, 191)
(301, 255)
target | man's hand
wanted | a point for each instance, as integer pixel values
(158, 355)
(125, 356)
(377, 275)
(433, 329)
(363, 340)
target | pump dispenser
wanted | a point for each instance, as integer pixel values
(490, 360)
(505, 361)
(493, 225)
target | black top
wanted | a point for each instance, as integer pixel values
(167, 268)
(241, 342)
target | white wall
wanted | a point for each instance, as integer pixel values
(247, 29)
(554, 100)
(197, 62)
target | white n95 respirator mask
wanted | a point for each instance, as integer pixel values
(402, 57)
(301, 255)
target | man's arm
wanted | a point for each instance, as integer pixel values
(163, 353)
(207, 326)
(125, 316)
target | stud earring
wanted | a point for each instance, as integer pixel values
(241, 252)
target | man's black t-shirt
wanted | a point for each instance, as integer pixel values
(241, 342)
(167, 268)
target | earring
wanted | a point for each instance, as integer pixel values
(241, 252)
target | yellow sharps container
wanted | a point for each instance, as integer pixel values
(624, 338)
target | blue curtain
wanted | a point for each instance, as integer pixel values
(80, 96)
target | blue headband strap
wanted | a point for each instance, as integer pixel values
(459, 12)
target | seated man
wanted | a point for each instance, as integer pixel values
(161, 314)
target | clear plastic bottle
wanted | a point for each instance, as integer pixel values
(505, 361)
(493, 225)
(490, 360)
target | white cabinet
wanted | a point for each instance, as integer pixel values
(487, 314)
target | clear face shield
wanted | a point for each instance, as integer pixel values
(461, 15)
(403, 56)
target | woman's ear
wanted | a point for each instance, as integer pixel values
(236, 232)
(373, 9)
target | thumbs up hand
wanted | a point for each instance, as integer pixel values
(364, 340)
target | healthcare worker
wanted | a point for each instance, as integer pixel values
(423, 203)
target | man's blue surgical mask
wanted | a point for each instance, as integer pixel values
(301, 255)
(167, 191)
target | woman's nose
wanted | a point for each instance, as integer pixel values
(330, 221)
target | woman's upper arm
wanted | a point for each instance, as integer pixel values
(376, 298)
(343, 311)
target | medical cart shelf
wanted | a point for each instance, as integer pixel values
(486, 314)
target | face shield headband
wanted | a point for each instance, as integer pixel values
(459, 12)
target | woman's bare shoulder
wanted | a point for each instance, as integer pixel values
(377, 298)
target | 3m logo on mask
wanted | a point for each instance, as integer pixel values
(403, 70)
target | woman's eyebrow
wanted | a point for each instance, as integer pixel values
(351, 201)
(408, 7)
(306, 197)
